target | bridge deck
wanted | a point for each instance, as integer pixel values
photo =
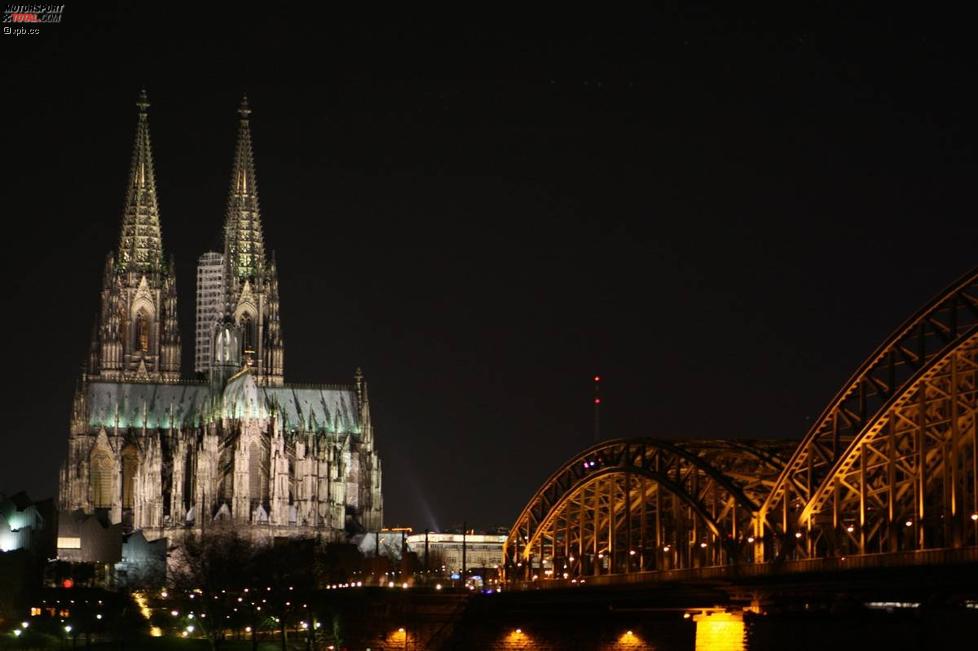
(927, 557)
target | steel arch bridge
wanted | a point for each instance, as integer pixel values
(890, 466)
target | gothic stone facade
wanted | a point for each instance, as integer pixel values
(238, 445)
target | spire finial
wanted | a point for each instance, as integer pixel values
(244, 111)
(140, 243)
(358, 384)
(143, 102)
(243, 243)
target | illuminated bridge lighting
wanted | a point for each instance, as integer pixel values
(647, 504)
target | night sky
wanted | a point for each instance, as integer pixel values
(721, 214)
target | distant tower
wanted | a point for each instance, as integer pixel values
(137, 337)
(210, 306)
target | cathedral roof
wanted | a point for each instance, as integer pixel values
(244, 244)
(242, 399)
(150, 404)
(140, 242)
(312, 408)
(303, 408)
(330, 409)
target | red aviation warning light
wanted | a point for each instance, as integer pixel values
(597, 407)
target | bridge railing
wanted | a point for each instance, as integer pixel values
(947, 556)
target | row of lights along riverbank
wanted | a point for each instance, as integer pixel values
(244, 598)
(517, 636)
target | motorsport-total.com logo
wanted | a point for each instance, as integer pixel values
(26, 19)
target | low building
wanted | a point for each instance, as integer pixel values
(24, 523)
(26, 542)
(386, 543)
(84, 538)
(445, 549)
(89, 547)
(143, 561)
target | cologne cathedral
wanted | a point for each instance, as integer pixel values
(158, 452)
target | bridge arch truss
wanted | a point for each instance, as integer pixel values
(903, 421)
(642, 505)
(910, 479)
(889, 467)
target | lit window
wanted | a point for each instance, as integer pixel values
(130, 460)
(142, 333)
(101, 479)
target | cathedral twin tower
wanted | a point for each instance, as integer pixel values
(161, 454)
(142, 342)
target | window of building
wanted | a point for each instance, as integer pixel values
(101, 479)
(142, 333)
(130, 462)
(247, 333)
(258, 483)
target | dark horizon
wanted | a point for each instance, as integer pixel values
(720, 214)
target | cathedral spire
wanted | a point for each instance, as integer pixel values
(244, 246)
(140, 243)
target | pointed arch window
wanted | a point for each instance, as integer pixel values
(257, 474)
(101, 479)
(247, 333)
(188, 479)
(142, 333)
(130, 462)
